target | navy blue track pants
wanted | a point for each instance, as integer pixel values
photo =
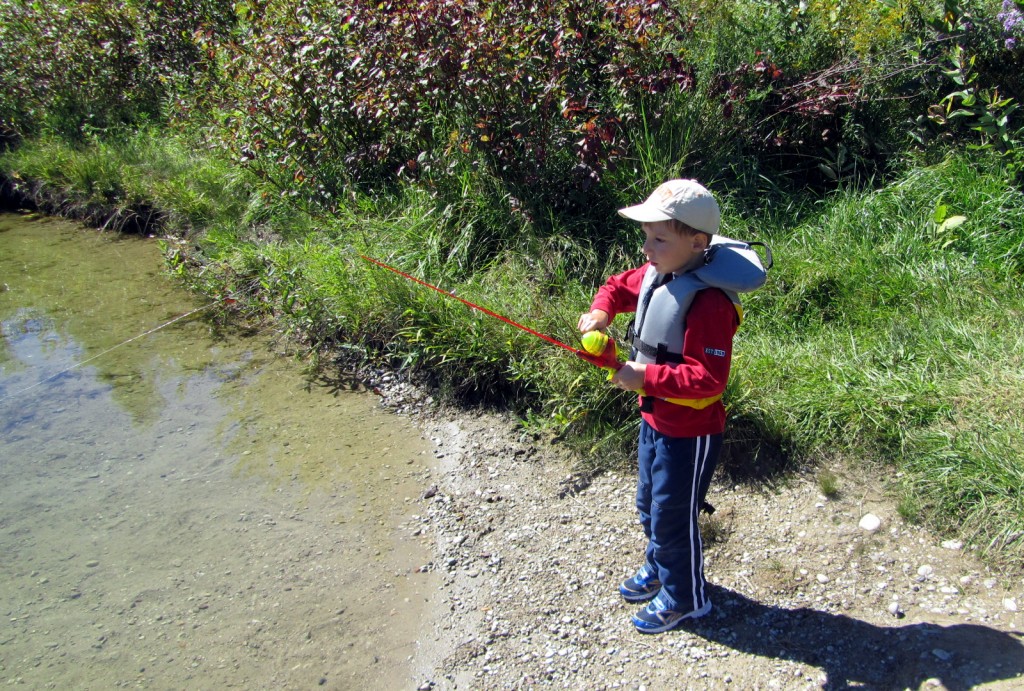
(674, 477)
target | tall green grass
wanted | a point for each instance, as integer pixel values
(121, 176)
(879, 338)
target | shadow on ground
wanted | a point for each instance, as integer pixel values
(854, 653)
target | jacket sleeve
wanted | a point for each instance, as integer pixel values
(711, 323)
(620, 293)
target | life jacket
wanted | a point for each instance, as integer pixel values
(656, 334)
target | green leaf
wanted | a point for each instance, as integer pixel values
(951, 222)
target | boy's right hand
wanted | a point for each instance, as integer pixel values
(596, 320)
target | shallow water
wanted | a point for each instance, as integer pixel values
(182, 510)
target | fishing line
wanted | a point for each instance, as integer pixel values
(475, 306)
(122, 343)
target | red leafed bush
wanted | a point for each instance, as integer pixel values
(329, 94)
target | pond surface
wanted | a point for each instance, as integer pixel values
(178, 509)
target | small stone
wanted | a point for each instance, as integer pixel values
(92, 564)
(894, 609)
(953, 544)
(942, 654)
(924, 571)
(870, 522)
(1010, 604)
(822, 578)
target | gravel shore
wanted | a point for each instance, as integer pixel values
(809, 592)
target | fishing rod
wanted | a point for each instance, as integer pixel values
(226, 301)
(598, 349)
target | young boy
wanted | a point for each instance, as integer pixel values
(681, 351)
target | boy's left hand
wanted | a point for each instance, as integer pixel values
(630, 376)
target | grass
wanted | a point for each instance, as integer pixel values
(876, 338)
(828, 483)
(124, 177)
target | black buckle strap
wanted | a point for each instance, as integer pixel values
(659, 353)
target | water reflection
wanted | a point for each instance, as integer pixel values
(182, 510)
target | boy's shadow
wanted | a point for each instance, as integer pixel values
(854, 653)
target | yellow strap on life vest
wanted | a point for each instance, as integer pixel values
(695, 403)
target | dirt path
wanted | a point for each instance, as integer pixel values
(805, 597)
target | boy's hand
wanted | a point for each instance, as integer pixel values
(593, 321)
(630, 376)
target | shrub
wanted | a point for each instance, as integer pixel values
(333, 94)
(73, 68)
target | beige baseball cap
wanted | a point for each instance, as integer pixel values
(684, 200)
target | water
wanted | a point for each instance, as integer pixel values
(183, 511)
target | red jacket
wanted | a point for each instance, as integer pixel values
(711, 323)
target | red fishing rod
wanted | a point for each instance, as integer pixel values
(595, 343)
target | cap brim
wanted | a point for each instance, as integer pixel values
(644, 214)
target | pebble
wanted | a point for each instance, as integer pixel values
(952, 544)
(924, 571)
(1010, 604)
(870, 522)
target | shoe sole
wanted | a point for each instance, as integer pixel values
(649, 628)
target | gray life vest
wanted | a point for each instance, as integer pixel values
(660, 319)
(656, 334)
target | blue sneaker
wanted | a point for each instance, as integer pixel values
(641, 587)
(655, 617)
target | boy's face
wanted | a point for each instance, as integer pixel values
(671, 251)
